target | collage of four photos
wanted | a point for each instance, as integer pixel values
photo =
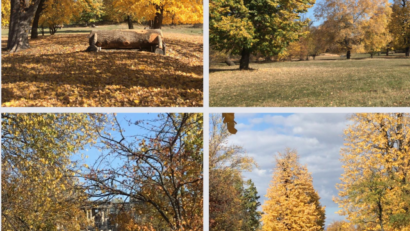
(221, 115)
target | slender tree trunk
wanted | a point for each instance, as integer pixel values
(158, 17)
(407, 51)
(130, 25)
(228, 60)
(42, 30)
(348, 54)
(244, 62)
(371, 55)
(34, 28)
(21, 16)
(314, 57)
(387, 51)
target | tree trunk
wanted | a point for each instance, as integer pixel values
(371, 55)
(21, 17)
(314, 57)
(348, 54)
(244, 62)
(130, 25)
(228, 60)
(387, 51)
(34, 28)
(407, 51)
(159, 15)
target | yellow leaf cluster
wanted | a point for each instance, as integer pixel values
(375, 184)
(293, 203)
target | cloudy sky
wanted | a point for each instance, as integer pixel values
(316, 137)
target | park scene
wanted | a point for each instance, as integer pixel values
(309, 172)
(323, 53)
(102, 172)
(102, 53)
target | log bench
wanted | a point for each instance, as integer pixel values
(148, 40)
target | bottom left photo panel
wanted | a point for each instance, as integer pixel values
(79, 171)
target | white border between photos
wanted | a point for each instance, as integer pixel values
(206, 110)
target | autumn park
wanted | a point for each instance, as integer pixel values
(310, 172)
(102, 53)
(123, 172)
(310, 53)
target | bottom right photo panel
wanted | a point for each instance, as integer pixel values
(324, 171)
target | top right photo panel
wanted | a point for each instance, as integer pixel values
(307, 53)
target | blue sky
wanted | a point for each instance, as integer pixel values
(93, 153)
(316, 137)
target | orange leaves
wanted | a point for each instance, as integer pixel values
(55, 72)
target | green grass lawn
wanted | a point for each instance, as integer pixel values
(180, 29)
(361, 82)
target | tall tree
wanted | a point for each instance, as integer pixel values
(37, 172)
(345, 22)
(266, 26)
(250, 202)
(375, 188)
(160, 167)
(228, 209)
(293, 204)
(400, 25)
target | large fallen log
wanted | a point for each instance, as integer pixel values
(149, 40)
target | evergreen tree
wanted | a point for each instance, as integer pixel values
(251, 204)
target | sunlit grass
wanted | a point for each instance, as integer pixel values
(339, 83)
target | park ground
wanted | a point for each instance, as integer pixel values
(328, 81)
(57, 72)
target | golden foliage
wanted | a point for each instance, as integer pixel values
(5, 13)
(375, 187)
(56, 72)
(175, 11)
(37, 172)
(293, 203)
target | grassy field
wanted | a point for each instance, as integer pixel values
(57, 72)
(327, 82)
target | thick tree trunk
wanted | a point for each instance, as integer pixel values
(158, 17)
(348, 54)
(34, 28)
(21, 16)
(228, 60)
(130, 25)
(151, 40)
(407, 51)
(314, 57)
(244, 62)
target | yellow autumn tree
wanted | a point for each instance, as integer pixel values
(376, 32)
(346, 23)
(39, 187)
(5, 13)
(293, 204)
(375, 188)
(340, 226)
(163, 11)
(400, 25)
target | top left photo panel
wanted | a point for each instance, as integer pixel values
(102, 53)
